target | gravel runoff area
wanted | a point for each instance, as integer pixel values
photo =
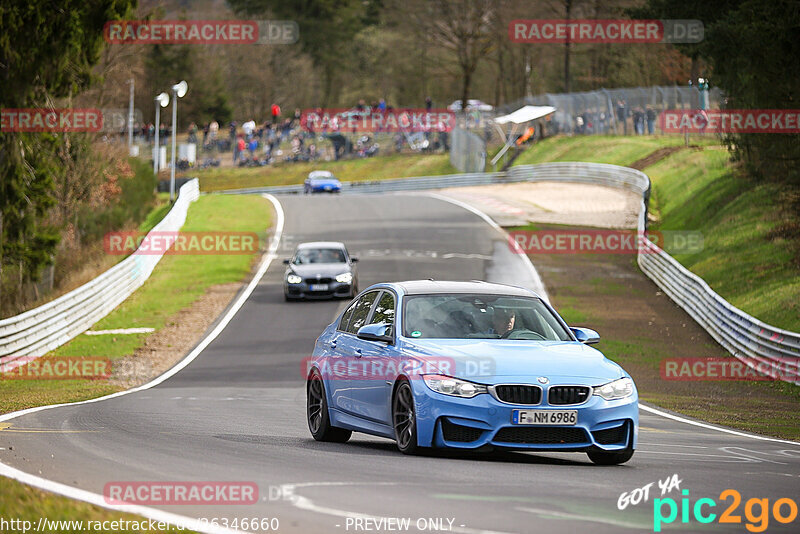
(553, 203)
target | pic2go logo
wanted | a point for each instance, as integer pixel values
(756, 511)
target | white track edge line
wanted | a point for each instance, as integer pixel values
(666, 415)
(540, 289)
(152, 513)
(648, 409)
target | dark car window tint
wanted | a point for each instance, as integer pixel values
(361, 312)
(464, 316)
(384, 311)
(319, 255)
(346, 317)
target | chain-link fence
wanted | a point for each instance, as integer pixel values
(467, 151)
(629, 111)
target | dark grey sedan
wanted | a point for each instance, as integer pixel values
(322, 269)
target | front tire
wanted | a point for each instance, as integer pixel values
(601, 457)
(610, 458)
(404, 419)
(319, 422)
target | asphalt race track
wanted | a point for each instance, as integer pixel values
(237, 413)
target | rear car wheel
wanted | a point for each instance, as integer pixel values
(319, 422)
(404, 419)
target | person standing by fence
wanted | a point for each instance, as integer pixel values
(651, 120)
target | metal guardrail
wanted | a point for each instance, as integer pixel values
(758, 345)
(42, 329)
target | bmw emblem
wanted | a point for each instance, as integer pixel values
(543, 380)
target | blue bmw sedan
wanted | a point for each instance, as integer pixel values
(468, 365)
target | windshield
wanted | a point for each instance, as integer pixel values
(319, 255)
(480, 317)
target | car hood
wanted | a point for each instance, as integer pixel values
(493, 361)
(311, 270)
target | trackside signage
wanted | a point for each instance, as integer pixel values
(622, 31)
(181, 493)
(200, 32)
(730, 121)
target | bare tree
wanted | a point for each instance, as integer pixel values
(462, 27)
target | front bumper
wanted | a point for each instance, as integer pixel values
(485, 422)
(303, 290)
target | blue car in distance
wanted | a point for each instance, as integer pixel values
(468, 365)
(321, 182)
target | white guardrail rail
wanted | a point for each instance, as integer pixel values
(761, 346)
(40, 330)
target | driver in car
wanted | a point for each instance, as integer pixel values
(503, 322)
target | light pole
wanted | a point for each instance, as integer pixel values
(162, 101)
(132, 83)
(178, 91)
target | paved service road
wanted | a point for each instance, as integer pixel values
(237, 413)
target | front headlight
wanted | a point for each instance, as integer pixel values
(344, 278)
(618, 389)
(453, 386)
(294, 279)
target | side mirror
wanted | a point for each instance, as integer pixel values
(286, 262)
(353, 260)
(586, 336)
(376, 332)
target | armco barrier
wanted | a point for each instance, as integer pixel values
(757, 344)
(42, 329)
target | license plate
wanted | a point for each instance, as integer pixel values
(544, 417)
(318, 287)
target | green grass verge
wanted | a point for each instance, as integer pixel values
(352, 170)
(25, 503)
(176, 283)
(702, 191)
(616, 150)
